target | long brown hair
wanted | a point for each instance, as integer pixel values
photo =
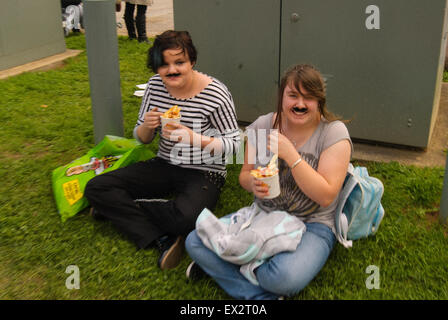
(312, 81)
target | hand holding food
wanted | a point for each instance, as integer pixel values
(178, 133)
(260, 189)
(152, 119)
(266, 183)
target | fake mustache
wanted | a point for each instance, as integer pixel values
(298, 109)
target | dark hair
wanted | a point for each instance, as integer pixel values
(170, 39)
(311, 80)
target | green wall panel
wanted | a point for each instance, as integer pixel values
(237, 43)
(387, 79)
(29, 30)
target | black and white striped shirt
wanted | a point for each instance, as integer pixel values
(210, 113)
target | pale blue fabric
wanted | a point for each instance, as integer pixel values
(250, 236)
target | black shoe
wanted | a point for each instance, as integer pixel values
(145, 40)
(171, 251)
(194, 272)
(96, 215)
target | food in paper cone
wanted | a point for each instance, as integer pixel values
(171, 115)
(263, 172)
(269, 176)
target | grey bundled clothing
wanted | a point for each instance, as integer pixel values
(250, 236)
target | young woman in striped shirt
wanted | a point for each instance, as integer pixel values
(156, 202)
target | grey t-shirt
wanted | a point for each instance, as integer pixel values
(291, 198)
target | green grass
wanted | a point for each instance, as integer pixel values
(410, 249)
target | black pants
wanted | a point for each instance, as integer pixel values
(152, 198)
(139, 22)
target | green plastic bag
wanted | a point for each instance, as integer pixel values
(111, 153)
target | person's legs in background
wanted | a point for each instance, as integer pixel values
(129, 20)
(140, 22)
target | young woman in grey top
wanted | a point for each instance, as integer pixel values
(314, 150)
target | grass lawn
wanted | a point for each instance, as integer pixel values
(46, 122)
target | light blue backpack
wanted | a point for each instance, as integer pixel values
(359, 211)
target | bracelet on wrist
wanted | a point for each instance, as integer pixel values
(296, 163)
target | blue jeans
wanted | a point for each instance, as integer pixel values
(285, 274)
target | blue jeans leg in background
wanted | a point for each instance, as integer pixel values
(285, 274)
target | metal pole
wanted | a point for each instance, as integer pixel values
(104, 71)
(444, 200)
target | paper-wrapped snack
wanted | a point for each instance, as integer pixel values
(171, 115)
(269, 176)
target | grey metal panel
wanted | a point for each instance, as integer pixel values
(386, 79)
(29, 30)
(238, 43)
(104, 69)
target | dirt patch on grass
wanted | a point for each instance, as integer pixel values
(4, 283)
(16, 285)
(10, 155)
(28, 152)
(433, 217)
